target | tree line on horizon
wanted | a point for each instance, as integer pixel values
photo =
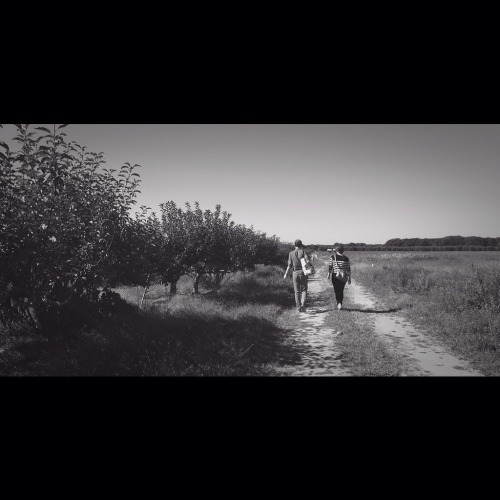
(447, 243)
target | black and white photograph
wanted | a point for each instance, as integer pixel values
(292, 250)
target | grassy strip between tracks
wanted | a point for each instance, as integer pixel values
(364, 353)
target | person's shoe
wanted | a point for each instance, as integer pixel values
(299, 309)
(339, 306)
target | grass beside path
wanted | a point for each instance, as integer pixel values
(238, 332)
(453, 296)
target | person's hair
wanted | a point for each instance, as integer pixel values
(298, 243)
(340, 249)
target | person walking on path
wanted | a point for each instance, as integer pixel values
(298, 276)
(340, 271)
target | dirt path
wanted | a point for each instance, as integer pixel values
(426, 356)
(316, 343)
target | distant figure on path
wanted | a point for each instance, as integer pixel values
(341, 274)
(298, 276)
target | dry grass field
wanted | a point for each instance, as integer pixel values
(454, 296)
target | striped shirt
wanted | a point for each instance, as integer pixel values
(341, 263)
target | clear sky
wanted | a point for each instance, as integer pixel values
(321, 183)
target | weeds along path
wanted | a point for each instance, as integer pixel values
(424, 355)
(315, 342)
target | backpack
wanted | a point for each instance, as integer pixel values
(307, 268)
(342, 273)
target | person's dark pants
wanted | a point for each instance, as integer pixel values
(300, 287)
(338, 286)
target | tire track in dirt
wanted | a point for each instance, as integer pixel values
(426, 356)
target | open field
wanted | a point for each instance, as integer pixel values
(453, 296)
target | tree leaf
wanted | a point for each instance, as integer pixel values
(44, 129)
(61, 126)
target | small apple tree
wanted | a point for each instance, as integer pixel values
(63, 218)
(209, 243)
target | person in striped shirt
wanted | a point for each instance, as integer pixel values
(339, 262)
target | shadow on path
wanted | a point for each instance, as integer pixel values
(318, 311)
(370, 310)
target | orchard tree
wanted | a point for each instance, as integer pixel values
(63, 217)
(209, 243)
(140, 258)
(267, 249)
(212, 241)
(193, 240)
(175, 233)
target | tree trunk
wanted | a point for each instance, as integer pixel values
(173, 287)
(218, 279)
(146, 288)
(196, 283)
